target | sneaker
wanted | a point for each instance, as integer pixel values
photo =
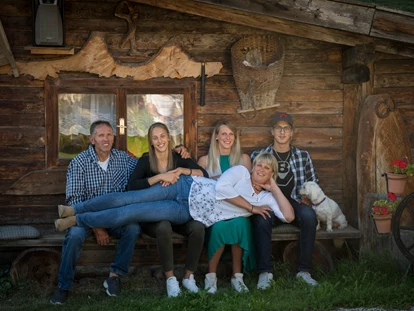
(264, 280)
(112, 285)
(306, 277)
(190, 284)
(65, 223)
(173, 288)
(238, 284)
(65, 211)
(210, 283)
(59, 296)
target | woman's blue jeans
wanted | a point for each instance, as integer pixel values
(152, 204)
(305, 219)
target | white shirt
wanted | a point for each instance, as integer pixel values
(206, 199)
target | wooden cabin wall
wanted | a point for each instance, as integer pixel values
(394, 75)
(310, 90)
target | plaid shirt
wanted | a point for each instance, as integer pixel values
(85, 179)
(302, 168)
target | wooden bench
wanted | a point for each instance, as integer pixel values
(42, 256)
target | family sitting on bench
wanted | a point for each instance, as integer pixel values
(167, 190)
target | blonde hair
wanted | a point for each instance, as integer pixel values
(213, 159)
(268, 159)
(151, 152)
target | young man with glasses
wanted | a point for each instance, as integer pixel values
(295, 168)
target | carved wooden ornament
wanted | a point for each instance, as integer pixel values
(170, 62)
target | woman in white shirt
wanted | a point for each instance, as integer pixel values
(237, 193)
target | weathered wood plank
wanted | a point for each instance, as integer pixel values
(44, 182)
(21, 93)
(296, 107)
(394, 66)
(281, 26)
(224, 95)
(21, 81)
(11, 154)
(326, 137)
(335, 15)
(13, 170)
(393, 26)
(23, 137)
(23, 119)
(398, 95)
(286, 83)
(13, 106)
(312, 69)
(350, 131)
(393, 80)
(266, 118)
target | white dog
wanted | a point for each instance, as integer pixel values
(326, 209)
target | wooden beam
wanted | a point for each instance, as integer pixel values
(355, 62)
(393, 26)
(6, 55)
(342, 16)
(279, 25)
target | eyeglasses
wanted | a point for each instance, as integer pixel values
(286, 129)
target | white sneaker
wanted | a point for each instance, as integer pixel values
(238, 284)
(190, 284)
(173, 288)
(306, 277)
(210, 283)
(264, 280)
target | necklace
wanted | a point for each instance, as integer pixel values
(280, 158)
(283, 165)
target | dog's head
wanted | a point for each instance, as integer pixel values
(311, 190)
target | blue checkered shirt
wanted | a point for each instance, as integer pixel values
(302, 168)
(85, 179)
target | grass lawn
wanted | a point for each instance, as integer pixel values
(371, 282)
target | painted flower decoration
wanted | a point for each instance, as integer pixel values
(402, 167)
(383, 207)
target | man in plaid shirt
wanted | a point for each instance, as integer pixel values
(99, 170)
(294, 169)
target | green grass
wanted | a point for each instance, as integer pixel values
(372, 282)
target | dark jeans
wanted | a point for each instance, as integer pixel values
(163, 230)
(72, 246)
(305, 219)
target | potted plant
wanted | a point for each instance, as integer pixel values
(382, 212)
(397, 179)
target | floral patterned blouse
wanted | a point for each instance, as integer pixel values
(207, 197)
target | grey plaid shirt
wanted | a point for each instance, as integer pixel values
(302, 167)
(85, 179)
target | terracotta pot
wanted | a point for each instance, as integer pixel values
(396, 182)
(383, 222)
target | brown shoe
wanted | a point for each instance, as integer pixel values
(65, 211)
(65, 223)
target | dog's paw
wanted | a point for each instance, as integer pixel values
(329, 230)
(343, 226)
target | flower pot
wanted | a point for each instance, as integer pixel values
(383, 222)
(396, 182)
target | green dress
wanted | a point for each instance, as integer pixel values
(233, 231)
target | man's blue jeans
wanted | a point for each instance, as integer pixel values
(72, 246)
(305, 219)
(152, 204)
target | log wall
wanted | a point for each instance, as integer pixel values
(310, 89)
(394, 75)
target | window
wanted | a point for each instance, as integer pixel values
(130, 106)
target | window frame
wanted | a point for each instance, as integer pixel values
(120, 88)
